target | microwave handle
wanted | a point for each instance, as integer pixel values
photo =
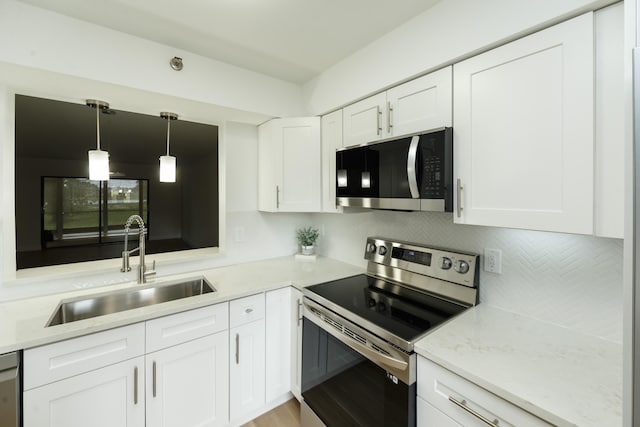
(412, 173)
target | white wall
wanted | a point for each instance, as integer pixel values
(448, 32)
(571, 280)
(44, 40)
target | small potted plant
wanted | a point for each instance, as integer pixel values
(307, 239)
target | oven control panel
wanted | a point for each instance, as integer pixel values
(445, 264)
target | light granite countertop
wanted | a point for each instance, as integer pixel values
(559, 375)
(563, 377)
(22, 322)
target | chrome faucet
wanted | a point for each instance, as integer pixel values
(142, 268)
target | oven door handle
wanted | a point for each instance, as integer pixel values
(363, 349)
(374, 355)
(412, 173)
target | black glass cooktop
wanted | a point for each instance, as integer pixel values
(399, 310)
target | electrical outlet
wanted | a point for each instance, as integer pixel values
(239, 234)
(493, 260)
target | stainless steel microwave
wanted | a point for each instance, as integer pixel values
(413, 173)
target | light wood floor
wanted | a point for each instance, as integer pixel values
(285, 415)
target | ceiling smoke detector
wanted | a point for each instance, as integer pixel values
(176, 63)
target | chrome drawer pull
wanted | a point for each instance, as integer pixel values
(463, 404)
(379, 117)
(248, 310)
(154, 378)
(135, 385)
(237, 349)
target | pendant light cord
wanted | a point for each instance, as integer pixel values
(168, 133)
(98, 126)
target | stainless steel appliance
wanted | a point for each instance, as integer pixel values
(358, 363)
(412, 173)
(10, 390)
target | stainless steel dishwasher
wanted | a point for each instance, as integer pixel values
(10, 390)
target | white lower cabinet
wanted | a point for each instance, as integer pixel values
(203, 367)
(446, 399)
(106, 380)
(428, 415)
(277, 343)
(247, 356)
(187, 384)
(105, 397)
(296, 343)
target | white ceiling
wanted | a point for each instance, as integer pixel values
(293, 40)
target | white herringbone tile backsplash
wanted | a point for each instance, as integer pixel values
(566, 279)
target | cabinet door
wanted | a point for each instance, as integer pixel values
(364, 121)
(331, 126)
(296, 343)
(610, 118)
(106, 397)
(269, 159)
(187, 385)
(524, 143)
(247, 368)
(289, 165)
(278, 343)
(421, 104)
(427, 416)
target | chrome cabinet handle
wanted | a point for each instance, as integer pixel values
(154, 378)
(389, 117)
(379, 117)
(463, 405)
(277, 197)
(248, 310)
(459, 189)
(135, 385)
(299, 317)
(237, 349)
(412, 173)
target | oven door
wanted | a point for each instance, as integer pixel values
(352, 380)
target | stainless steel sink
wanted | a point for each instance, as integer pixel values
(80, 308)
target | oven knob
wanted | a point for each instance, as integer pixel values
(461, 266)
(371, 248)
(382, 250)
(446, 263)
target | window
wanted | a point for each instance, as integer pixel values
(77, 210)
(63, 217)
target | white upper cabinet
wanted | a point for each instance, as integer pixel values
(609, 166)
(289, 165)
(523, 132)
(364, 120)
(418, 105)
(331, 127)
(421, 104)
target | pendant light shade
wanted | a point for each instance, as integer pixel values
(98, 159)
(168, 162)
(167, 169)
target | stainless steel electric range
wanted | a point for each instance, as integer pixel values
(358, 363)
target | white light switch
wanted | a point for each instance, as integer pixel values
(239, 234)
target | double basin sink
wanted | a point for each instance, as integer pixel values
(71, 310)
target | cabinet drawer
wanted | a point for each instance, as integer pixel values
(53, 362)
(439, 387)
(245, 310)
(182, 327)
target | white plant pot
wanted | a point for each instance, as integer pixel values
(308, 250)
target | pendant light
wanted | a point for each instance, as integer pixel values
(168, 162)
(98, 159)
